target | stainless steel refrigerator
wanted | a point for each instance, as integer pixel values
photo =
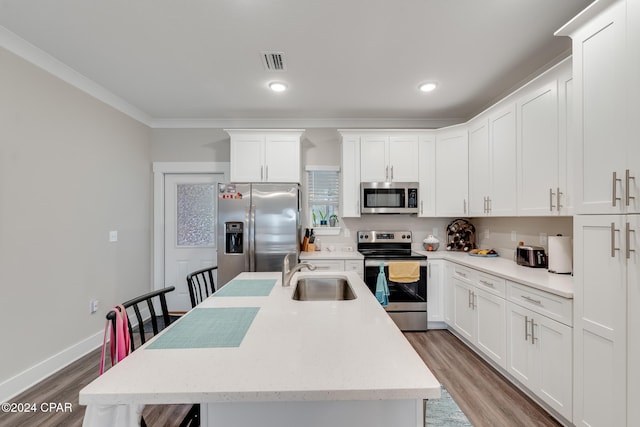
(258, 224)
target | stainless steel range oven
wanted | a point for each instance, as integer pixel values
(407, 294)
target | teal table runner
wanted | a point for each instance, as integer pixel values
(246, 288)
(208, 328)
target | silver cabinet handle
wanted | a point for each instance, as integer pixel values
(460, 273)
(628, 233)
(386, 173)
(469, 298)
(464, 206)
(551, 194)
(490, 204)
(628, 178)
(421, 206)
(613, 240)
(475, 300)
(526, 328)
(558, 194)
(535, 301)
(391, 172)
(615, 197)
(266, 173)
(489, 284)
(261, 173)
(533, 332)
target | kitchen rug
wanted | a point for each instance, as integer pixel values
(246, 288)
(445, 412)
(208, 328)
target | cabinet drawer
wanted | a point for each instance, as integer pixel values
(462, 273)
(354, 265)
(552, 306)
(493, 284)
(328, 265)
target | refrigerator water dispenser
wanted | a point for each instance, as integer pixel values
(233, 238)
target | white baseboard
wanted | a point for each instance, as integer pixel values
(33, 375)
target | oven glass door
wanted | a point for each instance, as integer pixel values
(414, 292)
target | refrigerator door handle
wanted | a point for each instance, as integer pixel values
(252, 238)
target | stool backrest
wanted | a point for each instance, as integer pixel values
(201, 284)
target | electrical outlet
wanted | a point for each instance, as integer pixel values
(93, 306)
(514, 236)
(113, 236)
(543, 239)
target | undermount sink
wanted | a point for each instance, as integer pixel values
(323, 289)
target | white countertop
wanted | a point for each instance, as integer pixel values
(293, 351)
(539, 278)
(320, 255)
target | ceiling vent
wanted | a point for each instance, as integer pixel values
(273, 61)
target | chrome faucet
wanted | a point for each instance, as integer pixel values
(288, 272)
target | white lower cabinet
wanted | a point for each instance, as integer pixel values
(336, 265)
(525, 331)
(435, 297)
(479, 312)
(540, 356)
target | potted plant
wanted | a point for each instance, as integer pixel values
(333, 220)
(323, 218)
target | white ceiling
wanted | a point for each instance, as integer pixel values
(359, 60)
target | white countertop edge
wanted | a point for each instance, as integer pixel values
(557, 284)
(267, 396)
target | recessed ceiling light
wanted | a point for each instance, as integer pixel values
(428, 87)
(277, 86)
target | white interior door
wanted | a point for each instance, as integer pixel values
(189, 231)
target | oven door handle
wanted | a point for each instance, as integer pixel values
(385, 262)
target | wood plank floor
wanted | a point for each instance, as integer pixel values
(484, 396)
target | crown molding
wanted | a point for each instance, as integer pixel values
(305, 123)
(25, 50)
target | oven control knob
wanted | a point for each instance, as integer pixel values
(366, 236)
(404, 237)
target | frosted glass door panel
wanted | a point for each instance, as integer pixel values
(195, 225)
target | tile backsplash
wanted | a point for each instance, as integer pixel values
(501, 234)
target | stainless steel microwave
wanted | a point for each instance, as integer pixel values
(388, 197)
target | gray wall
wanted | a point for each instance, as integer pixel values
(71, 170)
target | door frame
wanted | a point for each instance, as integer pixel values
(160, 169)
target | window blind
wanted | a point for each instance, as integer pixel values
(324, 187)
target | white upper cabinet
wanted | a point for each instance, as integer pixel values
(452, 172)
(608, 163)
(350, 176)
(374, 159)
(502, 149)
(427, 175)
(265, 155)
(492, 163)
(479, 167)
(389, 158)
(539, 190)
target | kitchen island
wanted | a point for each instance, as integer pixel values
(311, 363)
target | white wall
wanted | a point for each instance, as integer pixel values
(71, 170)
(189, 145)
